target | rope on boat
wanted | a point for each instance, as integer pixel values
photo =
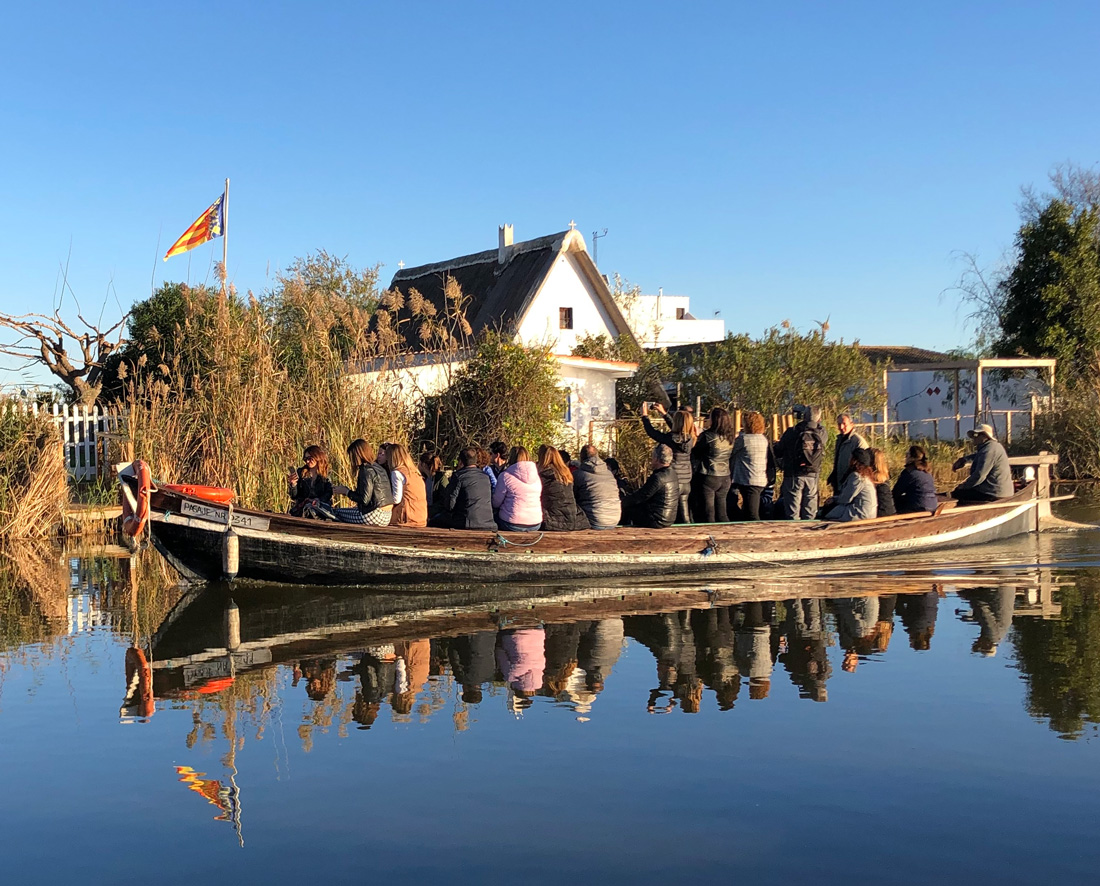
(503, 542)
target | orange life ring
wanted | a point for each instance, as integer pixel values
(135, 514)
(139, 682)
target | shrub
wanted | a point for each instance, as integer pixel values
(33, 480)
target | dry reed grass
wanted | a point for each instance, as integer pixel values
(33, 480)
(243, 395)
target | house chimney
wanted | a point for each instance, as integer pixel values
(504, 247)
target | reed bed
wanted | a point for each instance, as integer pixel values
(33, 481)
(234, 393)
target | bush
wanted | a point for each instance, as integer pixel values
(505, 391)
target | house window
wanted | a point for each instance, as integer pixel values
(565, 318)
(680, 313)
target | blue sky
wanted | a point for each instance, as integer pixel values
(773, 161)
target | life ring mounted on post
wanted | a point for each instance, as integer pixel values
(135, 507)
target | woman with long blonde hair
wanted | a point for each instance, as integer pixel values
(881, 479)
(372, 495)
(410, 497)
(560, 512)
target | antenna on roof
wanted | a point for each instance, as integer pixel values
(595, 245)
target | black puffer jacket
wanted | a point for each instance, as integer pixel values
(681, 450)
(372, 488)
(560, 511)
(469, 499)
(655, 504)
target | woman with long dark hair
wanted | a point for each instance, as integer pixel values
(711, 459)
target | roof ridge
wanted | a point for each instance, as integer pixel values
(477, 258)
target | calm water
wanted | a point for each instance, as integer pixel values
(939, 724)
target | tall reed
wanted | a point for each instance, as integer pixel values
(243, 395)
(33, 481)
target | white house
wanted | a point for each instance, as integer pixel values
(665, 321)
(547, 291)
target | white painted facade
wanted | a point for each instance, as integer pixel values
(922, 399)
(588, 386)
(663, 321)
(564, 287)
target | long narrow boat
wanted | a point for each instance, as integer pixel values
(194, 535)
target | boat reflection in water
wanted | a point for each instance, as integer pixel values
(414, 654)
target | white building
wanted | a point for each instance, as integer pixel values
(547, 291)
(665, 321)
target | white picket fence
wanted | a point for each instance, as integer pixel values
(84, 434)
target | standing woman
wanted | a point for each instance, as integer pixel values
(711, 457)
(881, 479)
(680, 441)
(410, 496)
(915, 490)
(309, 482)
(560, 511)
(372, 495)
(751, 456)
(517, 497)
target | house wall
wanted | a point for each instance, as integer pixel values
(591, 393)
(923, 399)
(592, 404)
(653, 321)
(565, 287)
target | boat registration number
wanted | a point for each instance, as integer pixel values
(221, 515)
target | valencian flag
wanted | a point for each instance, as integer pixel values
(207, 226)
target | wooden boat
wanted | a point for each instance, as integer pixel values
(208, 542)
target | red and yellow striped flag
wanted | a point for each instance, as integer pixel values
(207, 226)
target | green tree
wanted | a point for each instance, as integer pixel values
(320, 303)
(1060, 659)
(1049, 303)
(505, 391)
(781, 369)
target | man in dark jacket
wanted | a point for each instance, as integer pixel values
(656, 503)
(596, 490)
(469, 496)
(800, 453)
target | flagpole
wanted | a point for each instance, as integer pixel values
(225, 240)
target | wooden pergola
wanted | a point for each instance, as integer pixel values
(978, 367)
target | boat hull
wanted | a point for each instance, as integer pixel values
(276, 548)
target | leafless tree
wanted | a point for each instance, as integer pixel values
(74, 355)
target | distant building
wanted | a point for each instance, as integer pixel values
(921, 384)
(546, 291)
(665, 321)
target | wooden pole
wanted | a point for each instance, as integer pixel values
(978, 405)
(958, 428)
(1008, 427)
(225, 240)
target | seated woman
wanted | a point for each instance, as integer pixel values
(410, 496)
(309, 485)
(517, 497)
(560, 511)
(372, 494)
(883, 495)
(430, 466)
(856, 499)
(915, 490)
